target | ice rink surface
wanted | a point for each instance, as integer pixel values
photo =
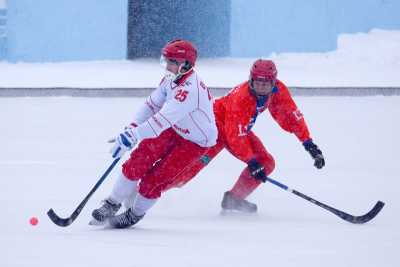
(53, 150)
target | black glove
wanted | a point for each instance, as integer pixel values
(315, 153)
(256, 170)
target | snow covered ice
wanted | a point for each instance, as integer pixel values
(54, 150)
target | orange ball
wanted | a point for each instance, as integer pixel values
(33, 221)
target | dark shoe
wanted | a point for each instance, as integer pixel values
(125, 219)
(232, 203)
(107, 210)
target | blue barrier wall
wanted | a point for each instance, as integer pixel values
(3, 33)
(260, 27)
(66, 30)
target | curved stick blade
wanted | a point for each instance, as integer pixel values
(58, 220)
(363, 218)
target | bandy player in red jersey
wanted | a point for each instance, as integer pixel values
(236, 114)
(174, 128)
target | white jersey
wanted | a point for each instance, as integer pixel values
(187, 107)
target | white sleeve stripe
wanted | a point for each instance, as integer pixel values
(153, 103)
(199, 128)
(165, 118)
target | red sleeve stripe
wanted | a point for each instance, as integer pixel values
(153, 103)
(152, 128)
(208, 118)
(150, 107)
(198, 93)
(165, 118)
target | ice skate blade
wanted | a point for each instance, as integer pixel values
(95, 222)
(234, 213)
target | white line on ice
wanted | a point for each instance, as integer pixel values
(26, 162)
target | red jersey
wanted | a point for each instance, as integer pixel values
(237, 112)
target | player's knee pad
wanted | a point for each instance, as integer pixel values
(269, 165)
(268, 162)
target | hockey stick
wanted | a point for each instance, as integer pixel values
(67, 221)
(345, 216)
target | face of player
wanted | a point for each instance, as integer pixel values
(263, 87)
(172, 65)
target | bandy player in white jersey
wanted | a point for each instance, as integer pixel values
(174, 128)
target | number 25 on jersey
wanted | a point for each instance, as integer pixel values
(181, 95)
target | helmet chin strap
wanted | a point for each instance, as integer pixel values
(175, 77)
(170, 75)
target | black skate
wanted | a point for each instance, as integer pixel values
(124, 220)
(107, 210)
(231, 204)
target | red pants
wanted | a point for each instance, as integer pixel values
(158, 162)
(246, 184)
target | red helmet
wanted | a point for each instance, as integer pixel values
(180, 50)
(263, 70)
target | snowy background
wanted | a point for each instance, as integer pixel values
(54, 150)
(362, 59)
